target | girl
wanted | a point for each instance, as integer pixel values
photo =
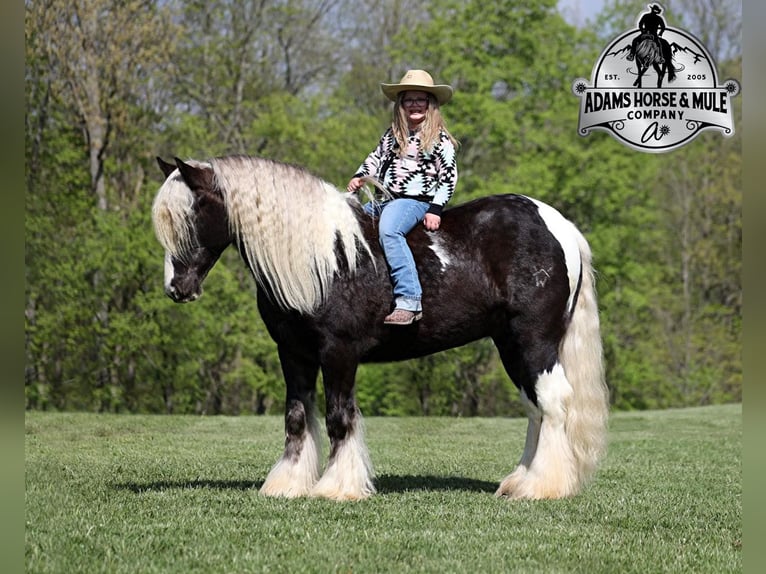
(415, 162)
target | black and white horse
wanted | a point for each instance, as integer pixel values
(506, 267)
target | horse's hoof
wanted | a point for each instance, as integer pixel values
(339, 495)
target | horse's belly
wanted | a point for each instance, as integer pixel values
(417, 340)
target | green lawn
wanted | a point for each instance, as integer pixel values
(140, 494)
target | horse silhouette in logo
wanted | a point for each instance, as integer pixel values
(650, 49)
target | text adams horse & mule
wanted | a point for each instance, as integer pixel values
(506, 267)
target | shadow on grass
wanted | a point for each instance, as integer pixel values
(162, 485)
(395, 483)
(387, 483)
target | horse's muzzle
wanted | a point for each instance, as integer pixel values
(180, 297)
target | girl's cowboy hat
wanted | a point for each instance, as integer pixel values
(421, 81)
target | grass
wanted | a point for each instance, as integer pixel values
(144, 494)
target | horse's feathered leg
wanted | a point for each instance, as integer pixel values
(563, 376)
(546, 468)
(512, 483)
(296, 472)
(552, 472)
(349, 473)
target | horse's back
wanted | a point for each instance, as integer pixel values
(493, 261)
(499, 237)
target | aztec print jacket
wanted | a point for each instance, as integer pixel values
(425, 176)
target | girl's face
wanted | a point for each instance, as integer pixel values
(415, 104)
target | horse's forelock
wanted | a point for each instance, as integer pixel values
(172, 216)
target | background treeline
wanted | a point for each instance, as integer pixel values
(110, 84)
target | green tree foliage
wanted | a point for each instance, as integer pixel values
(297, 81)
(513, 63)
(100, 57)
(688, 348)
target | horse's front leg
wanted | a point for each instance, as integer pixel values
(297, 471)
(349, 473)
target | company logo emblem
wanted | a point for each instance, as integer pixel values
(654, 88)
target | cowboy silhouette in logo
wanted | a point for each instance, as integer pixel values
(652, 25)
(658, 118)
(650, 50)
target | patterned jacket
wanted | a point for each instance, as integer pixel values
(425, 176)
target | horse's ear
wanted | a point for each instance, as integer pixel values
(197, 178)
(167, 168)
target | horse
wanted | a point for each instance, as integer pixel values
(656, 52)
(506, 267)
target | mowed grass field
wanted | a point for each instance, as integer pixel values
(143, 494)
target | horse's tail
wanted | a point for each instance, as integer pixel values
(647, 49)
(671, 72)
(580, 354)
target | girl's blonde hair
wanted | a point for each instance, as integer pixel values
(431, 128)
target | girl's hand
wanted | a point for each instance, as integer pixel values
(432, 221)
(354, 184)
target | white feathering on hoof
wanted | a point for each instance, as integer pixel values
(291, 477)
(349, 473)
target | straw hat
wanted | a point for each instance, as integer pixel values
(421, 81)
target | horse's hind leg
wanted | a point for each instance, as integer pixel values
(349, 474)
(547, 468)
(641, 71)
(512, 482)
(296, 472)
(660, 74)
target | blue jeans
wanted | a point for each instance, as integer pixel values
(397, 218)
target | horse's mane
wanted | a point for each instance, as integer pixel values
(287, 222)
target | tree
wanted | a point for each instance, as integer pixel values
(701, 190)
(717, 24)
(237, 56)
(101, 56)
(694, 305)
(298, 81)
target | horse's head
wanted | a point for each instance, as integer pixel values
(190, 222)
